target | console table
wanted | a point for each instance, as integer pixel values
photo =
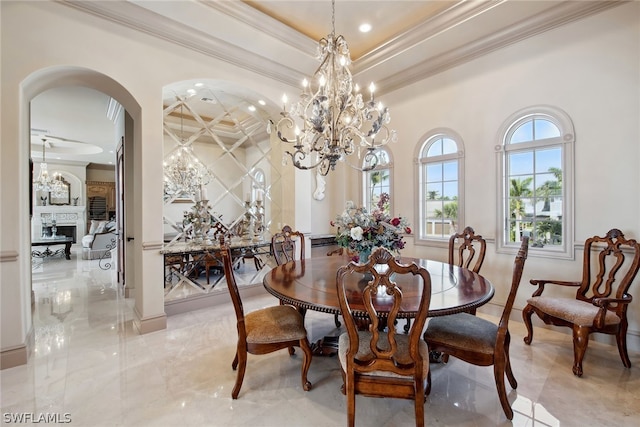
(53, 241)
(184, 263)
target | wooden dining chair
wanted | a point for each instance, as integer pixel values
(264, 330)
(463, 248)
(479, 341)
(379, 362)
(601, 300)
(287, 245)
(466, 249)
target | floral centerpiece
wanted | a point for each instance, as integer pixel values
(360, 231)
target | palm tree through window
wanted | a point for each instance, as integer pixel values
(377, 183)
(440, 172)
(535, 167)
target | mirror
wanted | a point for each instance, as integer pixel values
(220, 130)
(64, 200)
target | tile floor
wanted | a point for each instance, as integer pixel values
(90, 363)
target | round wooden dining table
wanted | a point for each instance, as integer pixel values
(311, 284)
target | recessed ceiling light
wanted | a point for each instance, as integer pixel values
(364, 28)
(261, 102)
(199, 84)
(252, 108)
(191, 92)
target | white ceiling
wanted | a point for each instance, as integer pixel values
(409, 41)
(73, 121)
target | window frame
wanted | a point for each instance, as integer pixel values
(366, 189)
(422, 147)
(566, 143)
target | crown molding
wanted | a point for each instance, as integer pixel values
(141, 19)
(266, 24)
(446, 20)
(563, 13)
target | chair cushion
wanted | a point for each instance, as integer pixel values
(572, 310)
(402, 355)
(274, 324)
(87, 240)
(463, 331)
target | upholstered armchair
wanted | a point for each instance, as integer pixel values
(601, 299)
(101, 239)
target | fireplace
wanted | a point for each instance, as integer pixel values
(69, 220)
(61, 230)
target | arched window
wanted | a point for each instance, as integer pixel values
(377, 182)
(440, 183)
(536, 163)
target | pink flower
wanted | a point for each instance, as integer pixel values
(407, 230)
(395, 222)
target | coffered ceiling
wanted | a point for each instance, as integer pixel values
(409, 40)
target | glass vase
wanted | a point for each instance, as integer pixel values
(364, 256)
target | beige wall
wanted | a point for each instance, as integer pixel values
(103, 175)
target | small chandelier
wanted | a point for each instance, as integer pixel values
(46, 183)
(184, 173)
(335, 119)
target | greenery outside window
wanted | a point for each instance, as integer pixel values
(536, 181)
(440, 185)
(377, 182)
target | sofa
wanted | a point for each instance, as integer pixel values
(101, 239)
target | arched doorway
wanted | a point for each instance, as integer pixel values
(74, 77)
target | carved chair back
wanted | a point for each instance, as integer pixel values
(287, 245)
(468, 246)
(606, 271)
(386, 363)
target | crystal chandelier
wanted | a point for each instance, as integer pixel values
(184, 173)
(332, 119)
(46, 183)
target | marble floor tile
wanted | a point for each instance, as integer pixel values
(90, 363)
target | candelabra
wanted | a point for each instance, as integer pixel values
(246, 222)
(258, 226)
(252, 225)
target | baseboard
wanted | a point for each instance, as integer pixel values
(213, 298)
(18, 355)
(633, 337)
(150, 324)
(13, 357)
